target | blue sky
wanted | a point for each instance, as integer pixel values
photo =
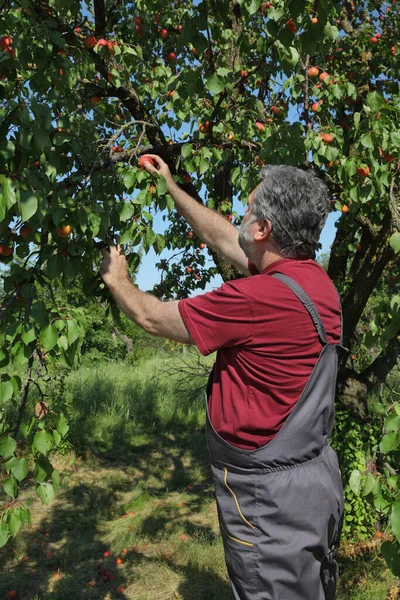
(148, 275)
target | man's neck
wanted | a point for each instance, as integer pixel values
(267, 259)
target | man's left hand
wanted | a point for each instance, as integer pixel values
(114, 269)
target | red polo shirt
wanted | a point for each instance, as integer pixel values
(266, 345)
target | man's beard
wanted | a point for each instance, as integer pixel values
(245, 239)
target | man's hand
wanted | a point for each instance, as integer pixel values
(147, 311)
(161, 168)
(114, 269)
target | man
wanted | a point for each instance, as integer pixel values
(270, 397)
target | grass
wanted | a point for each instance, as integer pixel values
(137, 487)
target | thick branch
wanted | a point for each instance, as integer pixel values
(125, 339)
(100, 16)
(339, 253)
(379, 369)
(362, 286)
(223, 193)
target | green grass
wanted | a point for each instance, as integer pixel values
(142, 491)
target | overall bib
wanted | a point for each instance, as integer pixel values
(280, 507)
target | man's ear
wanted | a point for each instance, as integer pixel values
(264, 230)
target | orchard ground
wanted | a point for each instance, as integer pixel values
(135, 517)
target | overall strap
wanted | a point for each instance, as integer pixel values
(306, 300)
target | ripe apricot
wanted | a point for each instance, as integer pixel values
(327, 138)
(313, 72)
(145, 159)
(64, 232)
(5, 250)
(90, 41)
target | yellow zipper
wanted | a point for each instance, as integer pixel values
(236, 500)
(235, 539)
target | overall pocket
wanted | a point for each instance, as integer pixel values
(236, 503)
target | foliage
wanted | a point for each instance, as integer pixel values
(378, 479)
(217, 93)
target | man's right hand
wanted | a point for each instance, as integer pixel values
(211, 227)
(161, 168)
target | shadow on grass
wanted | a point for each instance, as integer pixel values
(165, 459)
(69, 541)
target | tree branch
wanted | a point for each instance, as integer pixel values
(379, 369)
(100, 16)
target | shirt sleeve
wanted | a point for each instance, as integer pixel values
(219, 319)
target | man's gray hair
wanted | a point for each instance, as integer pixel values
(297, 204)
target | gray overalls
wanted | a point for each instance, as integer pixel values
(280, 507)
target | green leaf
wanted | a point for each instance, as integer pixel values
(375, 101)
(15, 522)
(126, 211)
(204, 165)
(6, 391)
(7, 447)
(395, 242)
(62, 425)
(41, 138)
(253, 6)
(42, 442)
(391, 554)
(395, 519)
(4, 534)
(39, 313)
(42, 469)
(48, 337)
(291, 56)
(129, 179)
(7, 150)
(20, 468)
(10, 486)
(8, 195)
(61, 138)
(276, 13)
(162, 186)
(369, 484)
(56, 437)
(355, 481)
(159, 243)
(28, 204)
(366, 141)
(215, 84)
(389, 442)
(45, 491)
(357, 116)
(392, 423)
(395, 137)
(72, 331)
(187, 150)
(55, 477)
(331, 32)
(28, 335)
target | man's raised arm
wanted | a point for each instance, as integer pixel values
(211, 227)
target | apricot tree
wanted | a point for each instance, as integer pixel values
(216, 88)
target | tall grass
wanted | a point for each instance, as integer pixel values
(108, 403)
